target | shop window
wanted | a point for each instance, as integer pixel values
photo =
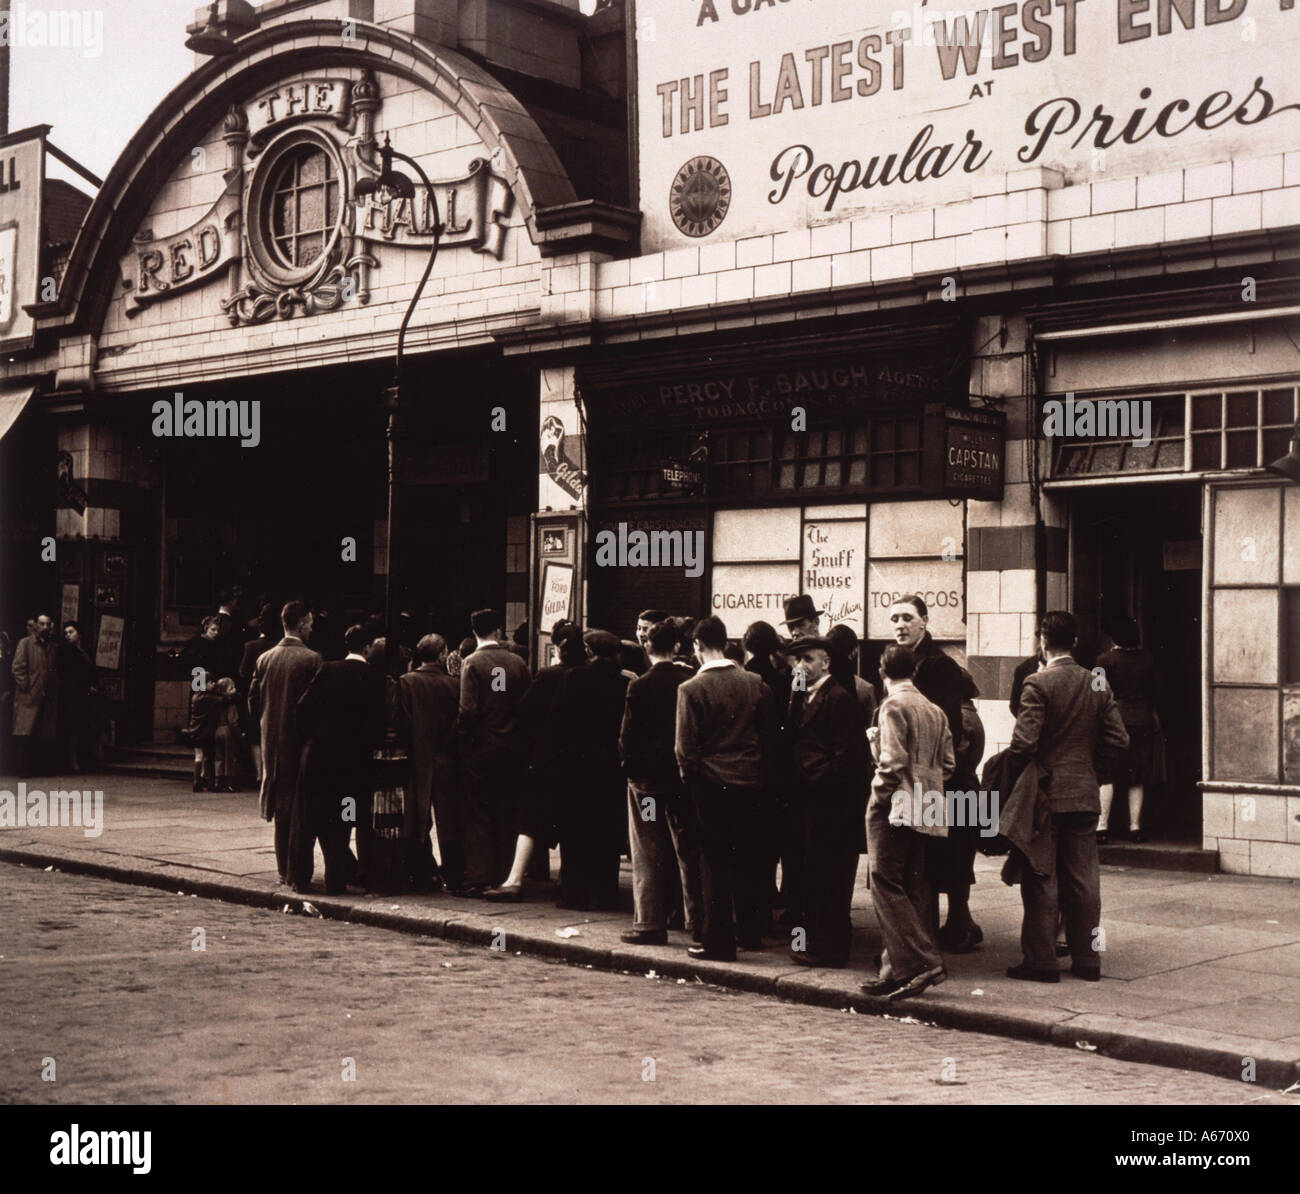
(1227, 430)
(883, 453)
(1254, 630)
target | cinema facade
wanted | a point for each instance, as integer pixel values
(803, 298)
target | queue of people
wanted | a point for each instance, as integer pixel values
(745, 780)
(745, 785)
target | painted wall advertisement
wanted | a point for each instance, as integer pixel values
(766, 115)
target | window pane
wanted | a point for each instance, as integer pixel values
(1206, 411)
(859, 441)
(858, 472)
(1242, 449)
(833, 472)
(834, 443)
(1243, 410)
(908, 469)
(812, 474)
(1246, 636)
(787, 476)
(1291, 598)
(1245, 733)
(1246, 537)
(1276, 443)
(1205, 451)
(1279, 406)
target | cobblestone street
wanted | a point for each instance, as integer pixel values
(104, 978)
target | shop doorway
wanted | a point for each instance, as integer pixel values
(1136, 552)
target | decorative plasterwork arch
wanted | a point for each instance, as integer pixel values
(522, 154)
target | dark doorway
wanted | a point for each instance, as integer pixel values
(1137, 553)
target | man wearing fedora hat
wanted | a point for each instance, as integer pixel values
(802, 617)
(828, 753)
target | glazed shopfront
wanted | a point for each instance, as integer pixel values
(833, 466)
(1194, 539)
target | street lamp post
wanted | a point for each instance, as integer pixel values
(389, 185)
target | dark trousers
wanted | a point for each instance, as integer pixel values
(787, 848)
(591, 823)
(447, 816)
(291, 858)
(490, 816)
(830, 867)
(733, 831)
(1074, 889)
(321, 818)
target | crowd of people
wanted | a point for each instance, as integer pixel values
(744, 780)
(48, 710)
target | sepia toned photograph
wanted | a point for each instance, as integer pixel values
(650, 553)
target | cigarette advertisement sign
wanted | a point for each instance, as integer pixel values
(768, 115)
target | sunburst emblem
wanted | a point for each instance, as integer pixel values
(700, 196)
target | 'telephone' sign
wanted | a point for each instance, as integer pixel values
(767, 115)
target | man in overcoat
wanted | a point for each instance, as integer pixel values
(280, 678)
(36, 696)
(430, 700)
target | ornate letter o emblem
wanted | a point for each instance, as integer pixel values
(700, 196)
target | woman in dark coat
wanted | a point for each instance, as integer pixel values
(950, 861)
(1134, 678)
(546, 765)
(591, 795)
(76, 688)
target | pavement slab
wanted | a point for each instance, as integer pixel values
(1200, 971)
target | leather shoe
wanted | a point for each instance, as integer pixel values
(505, 895)
(645, 937)
(882, 988)
(1029, 974)
(1089, 974)
(704, 953)
(967, 942)
(918, 983)
(1062, 949)
(1137, 836)
(803, 958)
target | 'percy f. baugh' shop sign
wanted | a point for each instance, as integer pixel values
(768, 115)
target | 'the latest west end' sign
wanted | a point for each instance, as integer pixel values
(764, 115)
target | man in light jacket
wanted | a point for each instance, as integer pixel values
(914, 758)
(1066, 717)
